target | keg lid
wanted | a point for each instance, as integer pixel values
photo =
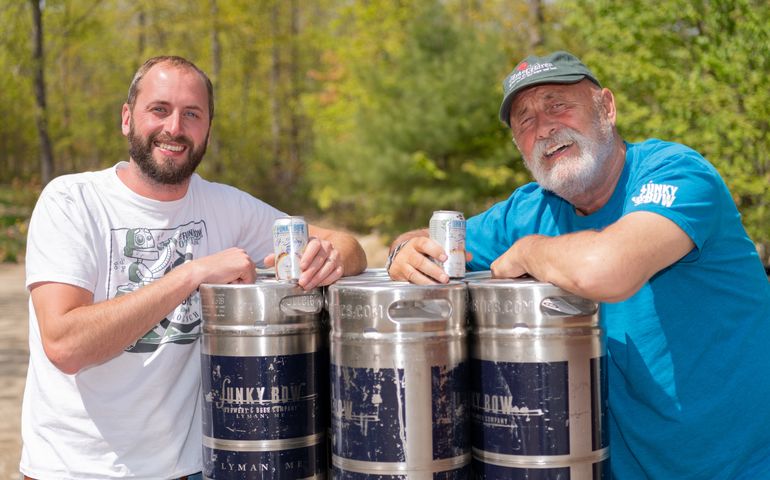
(396, 307)
(508, 303)
(265, 302)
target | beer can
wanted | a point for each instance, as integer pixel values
(289, 242)
(448, 229)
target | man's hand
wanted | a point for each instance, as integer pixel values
(413, 263)
(321, 264)
(509, 264)
(228, 266)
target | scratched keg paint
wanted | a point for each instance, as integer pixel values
(264, 364)
(399, 381)
(539, 385)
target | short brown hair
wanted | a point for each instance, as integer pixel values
(133, 89)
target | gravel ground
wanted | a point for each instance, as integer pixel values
(14, 354)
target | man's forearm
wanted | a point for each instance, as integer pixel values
(94, 333)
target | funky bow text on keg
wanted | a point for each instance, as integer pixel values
(259, 395)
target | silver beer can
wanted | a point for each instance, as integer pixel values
(290, 238)
(448, 229)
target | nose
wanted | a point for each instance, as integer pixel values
(546, 126)
(173, 124)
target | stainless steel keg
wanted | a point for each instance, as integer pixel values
(368, 275)
(264, 365)
(538, 383)
(399, 381)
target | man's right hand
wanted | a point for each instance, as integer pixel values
(413, 263)
(228, 266)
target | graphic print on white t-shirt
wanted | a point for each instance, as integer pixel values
(140, 256)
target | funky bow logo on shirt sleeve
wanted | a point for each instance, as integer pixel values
(659, 194)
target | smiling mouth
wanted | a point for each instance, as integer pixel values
(170, 147)
(557, 149)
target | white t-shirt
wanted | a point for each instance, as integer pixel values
(137, 415)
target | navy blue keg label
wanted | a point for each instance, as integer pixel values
(601, 470)
(487, 471)
(368, 413)
(520, 408)
(600, 435)
(261, 398)
(293, 463)
(451, 425)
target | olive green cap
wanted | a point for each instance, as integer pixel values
(558, 67)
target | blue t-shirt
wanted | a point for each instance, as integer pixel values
(689, 387)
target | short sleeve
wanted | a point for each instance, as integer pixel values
(685, 189)
(60, 243)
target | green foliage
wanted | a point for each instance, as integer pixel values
(16, 203)
(378, 112)
(694, 72)
(425, 136)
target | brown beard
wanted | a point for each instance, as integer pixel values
(165, 171)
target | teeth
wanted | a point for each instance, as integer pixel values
(555, 148)
(173, 148)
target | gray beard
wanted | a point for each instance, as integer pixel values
(574, 176)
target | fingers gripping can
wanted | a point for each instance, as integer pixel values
(289, 242)
(448, 229)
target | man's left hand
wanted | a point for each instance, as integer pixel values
(321, 264)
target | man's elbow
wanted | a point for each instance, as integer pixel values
(604, 281)
(62, 357)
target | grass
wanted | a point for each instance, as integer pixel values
(16, 202)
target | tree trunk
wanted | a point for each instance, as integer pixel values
(216, 68)
(142, 41)
(275, 98)
(41, 112)
(295, 119)
(536, 21)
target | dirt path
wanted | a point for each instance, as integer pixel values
(13, 364)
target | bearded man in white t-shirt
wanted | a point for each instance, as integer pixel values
(114, 260)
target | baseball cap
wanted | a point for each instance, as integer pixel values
(557, 67)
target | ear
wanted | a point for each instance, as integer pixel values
(125, 123)
(608, 100)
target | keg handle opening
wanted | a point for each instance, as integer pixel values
(301, 304)
(419, 311)
(569, 305)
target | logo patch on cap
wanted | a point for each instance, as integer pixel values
(525, 70)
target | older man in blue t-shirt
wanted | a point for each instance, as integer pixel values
(650, 230)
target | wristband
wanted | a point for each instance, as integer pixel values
(392, 255)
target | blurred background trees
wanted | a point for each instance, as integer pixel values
(370, 114)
